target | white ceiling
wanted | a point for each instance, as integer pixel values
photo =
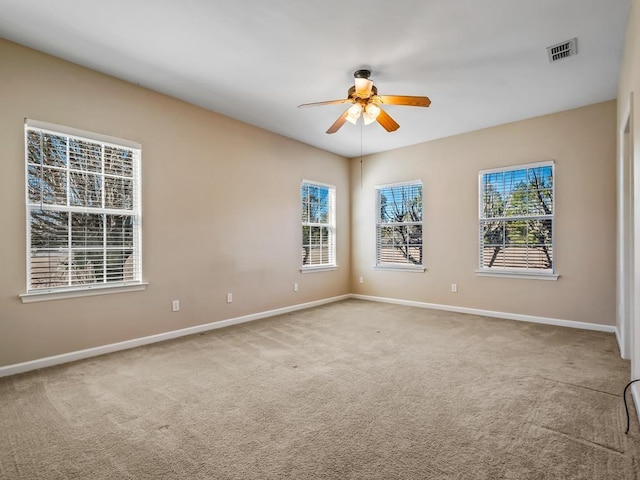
(482, 62)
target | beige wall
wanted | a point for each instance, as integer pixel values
(629, 155)
(582, 143)
(221, 211)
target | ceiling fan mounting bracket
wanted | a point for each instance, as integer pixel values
(362, 74)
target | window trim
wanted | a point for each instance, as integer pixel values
(517, 273)
(74, 132)
(331, 225)
(89, 291)
(318, 268)
(73, 291)
(401, 268)
(512, 273)
(398, 267)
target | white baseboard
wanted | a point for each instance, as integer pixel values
(621, 349)
(137, 342)
(489, 313)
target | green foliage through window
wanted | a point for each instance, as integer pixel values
(516, 218)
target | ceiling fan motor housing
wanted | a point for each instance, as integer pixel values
(362, 74)
(353, 95)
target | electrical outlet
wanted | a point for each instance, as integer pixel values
(454, 288)
(361, 279)
(229, 297)
(295, 287)
(175, 305)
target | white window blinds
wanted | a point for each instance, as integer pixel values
(83, 209)
(318, 225)
(399, 225)
(516, 218)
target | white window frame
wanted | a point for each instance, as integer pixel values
(515, 272)
(407, 267)
(330, 225)
(35, 294)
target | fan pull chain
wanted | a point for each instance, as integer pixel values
(361, 128)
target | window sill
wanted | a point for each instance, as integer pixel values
(46, 295)
(318, 268)
(516, 274)
(401, 268)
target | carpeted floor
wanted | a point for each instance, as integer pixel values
(351, 390)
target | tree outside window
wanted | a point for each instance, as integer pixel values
(83, 211)
(516, 218)
(318, 225)
(399, 225)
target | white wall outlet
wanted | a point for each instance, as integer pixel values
(454, 288)
(175, 305)
(229, 297)
(361, 279)
(295, 287)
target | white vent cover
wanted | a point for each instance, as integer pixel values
(562, 50)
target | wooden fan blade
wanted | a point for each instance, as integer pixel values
(403, 100)
(388, 123)
(339, 122)
(328, 102)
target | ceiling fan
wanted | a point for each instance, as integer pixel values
(366, 102)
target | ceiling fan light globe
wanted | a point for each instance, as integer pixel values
(354, 112)
(368, 119)
(363, 87)
(372, 110)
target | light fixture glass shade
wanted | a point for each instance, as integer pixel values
(368, 119)
(373, 110)
(363, 87)
(370, 114)
(354, 113)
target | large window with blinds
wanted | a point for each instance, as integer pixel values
(399, 226)
(83, 209)
(516, 219)
(318, 226)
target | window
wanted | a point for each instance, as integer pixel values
(399, 226)
(83, 209)
(318, 226)
(516, 219)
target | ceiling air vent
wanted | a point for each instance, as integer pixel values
(562, 50)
